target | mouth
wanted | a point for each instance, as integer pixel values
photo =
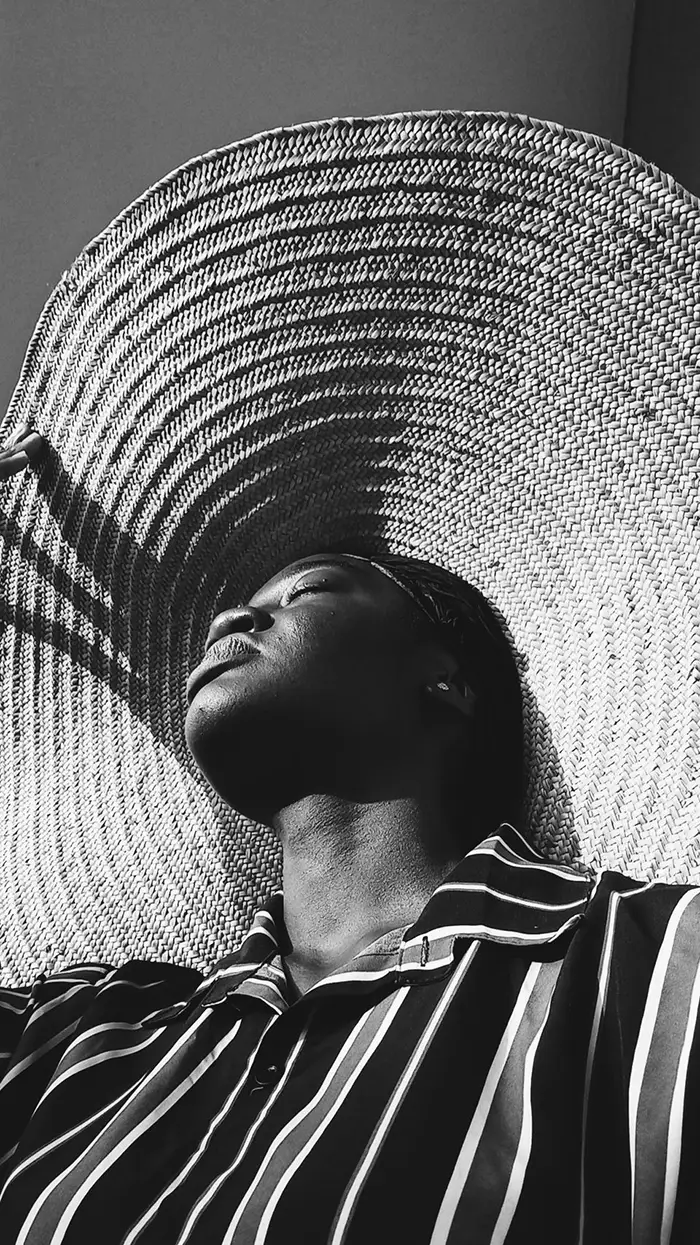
(224, 654)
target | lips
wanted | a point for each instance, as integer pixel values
(230, 650)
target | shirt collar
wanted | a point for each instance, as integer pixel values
(501, 891)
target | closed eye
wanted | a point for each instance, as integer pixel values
(297, 592)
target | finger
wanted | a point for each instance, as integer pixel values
(31, 444)
(13, 463)
(18, 435)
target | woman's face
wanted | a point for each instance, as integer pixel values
(311, 687)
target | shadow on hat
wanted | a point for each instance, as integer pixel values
(90, 530)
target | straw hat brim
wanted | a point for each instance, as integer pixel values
(470, 337)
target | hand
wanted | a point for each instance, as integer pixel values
(21, 449)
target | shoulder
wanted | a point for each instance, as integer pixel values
(610, 886)
(645, 915)
(60, 1003)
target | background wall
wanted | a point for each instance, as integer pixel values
(100, 98)
(663, 118)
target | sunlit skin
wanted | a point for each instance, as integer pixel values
(22, 448)
(333, 733)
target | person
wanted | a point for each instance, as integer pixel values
(430, 1034)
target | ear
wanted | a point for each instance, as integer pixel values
(454, 692)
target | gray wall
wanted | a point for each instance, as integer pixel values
(663, 121)
(100, 98)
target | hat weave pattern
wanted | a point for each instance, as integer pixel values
(466, 337)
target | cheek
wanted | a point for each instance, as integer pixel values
(323, 669)
(373, 682)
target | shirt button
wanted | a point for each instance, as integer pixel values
(269, 1075)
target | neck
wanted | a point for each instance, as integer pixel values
(352, 872)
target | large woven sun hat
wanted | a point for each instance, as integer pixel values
(471, 338)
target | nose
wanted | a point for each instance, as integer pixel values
(238, 618)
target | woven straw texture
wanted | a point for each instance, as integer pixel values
(472, 338)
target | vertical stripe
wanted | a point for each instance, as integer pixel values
(347, 1205)
(36, 1054)
(602, 992)
(453, 1194)
(61, 1139)
(646, 1032)
(91, 1061)
(522, 1156)
(60, 1231)
(8, 1155)
(301, 1133)
(85, 1123)
(142, 1127)
(210, 1193)
(657, 1071)
(675, 1123)
(184, 1172)
(590, 1096)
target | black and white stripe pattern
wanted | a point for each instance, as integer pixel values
(522, 1063)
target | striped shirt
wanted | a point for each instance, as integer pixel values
(521, 1064)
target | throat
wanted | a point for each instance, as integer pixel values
(304, 971)
(300, 979)
(352, 875)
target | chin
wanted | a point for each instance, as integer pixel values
(224, 752)
(206, 728)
